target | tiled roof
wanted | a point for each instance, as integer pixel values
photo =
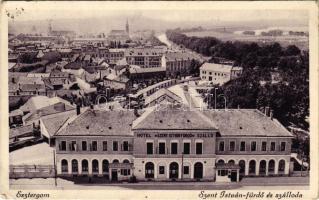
(216, 67)
(54, 123)
(97, 122)
(160, 93)
(245, 122)
(16, 132)
(49, 110)
(38, 102)
(171, 118)
(33, 87)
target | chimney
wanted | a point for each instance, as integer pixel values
(271, 114)
(267, 109)
(92, 106)
(78, 110)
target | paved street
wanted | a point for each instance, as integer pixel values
(247, 183)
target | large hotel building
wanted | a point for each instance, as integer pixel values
(173, 144)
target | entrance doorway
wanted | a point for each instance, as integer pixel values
(114, 175)
(233, 176)
(173, 170)
(198, 170)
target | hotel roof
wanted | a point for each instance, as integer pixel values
(54, 123)
(173, 118)
(98, 122)
(160, 93)
(246, 122)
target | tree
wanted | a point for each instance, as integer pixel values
(292, 50)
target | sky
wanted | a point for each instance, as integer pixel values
(168, 11)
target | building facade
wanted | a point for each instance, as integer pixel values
(144, 57)
(96, 143)
(219, 73)
(174, 143)
(177, 63)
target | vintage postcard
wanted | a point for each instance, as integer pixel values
(159, 100)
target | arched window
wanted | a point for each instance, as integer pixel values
(149, 170)
(262, 167)
(231, 162)
(95, 166)
(271, 166)
(126, 161)
(198, 170)
(75, 167)
(242, 165)
(221, 161)
(116, 161)
(105, 166)
(252, 167)
(281, 166)
(64, 165)
(85, 166)
(173, 170)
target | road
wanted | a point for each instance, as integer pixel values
(174, 47)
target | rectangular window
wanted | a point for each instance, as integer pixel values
(253, 146)
(161, 148)
(161, 170)
(186, 169)
(73, 145)
(199, 148)
(283, 146)
(149, 147)
(125, 172)
(115, 146)
(232, 146)
(186, 148)
(84, 146)
(125, 146)
(242, 146)
(63, 146)
(173, 148)
(273, 146)
(221, 146)
(94, 145)
(104, 145)
(264, 146)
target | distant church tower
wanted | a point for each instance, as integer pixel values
(127, 27)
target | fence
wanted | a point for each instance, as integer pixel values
(31, 171)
